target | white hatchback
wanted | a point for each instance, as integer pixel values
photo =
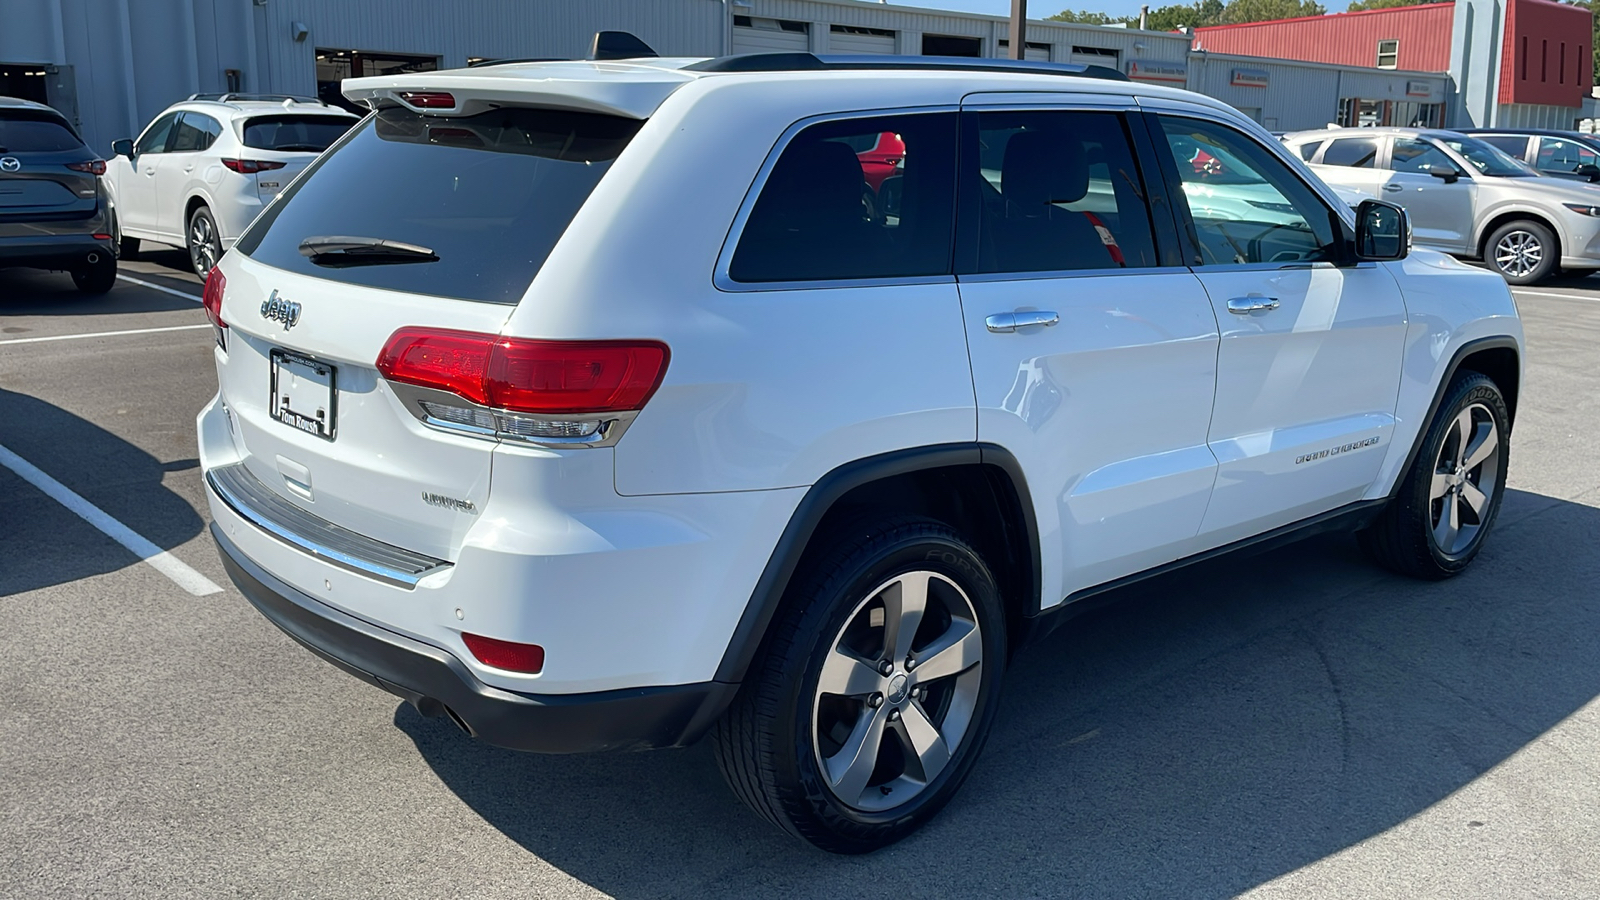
(199, 174)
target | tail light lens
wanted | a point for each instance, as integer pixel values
(508, 655)
(93, 166)
(251, 166)
(211, 299)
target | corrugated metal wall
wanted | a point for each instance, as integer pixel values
(1347, 39)
(1528, 115)
(1305, 95)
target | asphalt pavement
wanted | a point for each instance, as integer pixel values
(1295, 724)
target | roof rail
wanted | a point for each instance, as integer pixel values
(810, 62)
(272, 98)
(506, 62)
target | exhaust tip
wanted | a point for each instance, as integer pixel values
(94, 258)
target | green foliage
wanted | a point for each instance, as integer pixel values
(1201, 13)
(1240, 11)
(1185, 15)
(1359, 5)
(1082, 17)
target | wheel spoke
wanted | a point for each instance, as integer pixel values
(850, 768)
(1475, 499)
(1463, 429)
(955, 651)
(1449, 525)
(922, 737)
(847, 676)
(1440, 484)
(903, 605)
(1482, 446)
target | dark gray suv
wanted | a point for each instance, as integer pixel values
(53, 210)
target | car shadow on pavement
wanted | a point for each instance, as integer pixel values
(1215, 729)
(32, 292)
(42, 543)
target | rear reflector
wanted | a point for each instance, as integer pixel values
(93, 167)
(211, 297)
(508, 655)
(429, 99)
(251, 166)
(528, 376)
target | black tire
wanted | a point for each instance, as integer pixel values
(1403, 538)
(203, 241)
(97, 277)
(767, 744)
(1518, 268)
(123, 247)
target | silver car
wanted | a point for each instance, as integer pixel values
(1465, 197)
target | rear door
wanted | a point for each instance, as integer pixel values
(1093, 362)
(1440, 208)
(180, 168)
(35, 181)
(1352, 162)
(1308, 368)
(486, 197)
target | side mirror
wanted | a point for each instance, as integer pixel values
(1589, 171)
(1383, 231)
(123, 147)
(1447, 173)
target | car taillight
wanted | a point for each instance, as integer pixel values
(566, 391)
(251, 166)
(93, 166)
(508, 655)
(211, 299)
(428, 99)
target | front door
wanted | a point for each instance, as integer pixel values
(1308, 369)
(1440, 207)
(1093, 364)
(136, 186)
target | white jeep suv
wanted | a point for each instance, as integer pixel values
(204, 168)
(607, 405)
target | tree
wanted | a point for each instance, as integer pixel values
(1190, 15)
(1240, 11)
(1359, 5)
(1083, 17)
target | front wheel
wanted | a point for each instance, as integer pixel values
(869, 705)
(1523, 252)
(1436, 523)
(205, 244)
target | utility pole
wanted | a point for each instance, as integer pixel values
(1019, 29)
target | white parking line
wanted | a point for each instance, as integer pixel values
(96, 334)
(159, 559)
(1520, 292)
(157, 287)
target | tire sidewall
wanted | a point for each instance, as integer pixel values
(836, 600)
(1477, 389)
(1547, 266)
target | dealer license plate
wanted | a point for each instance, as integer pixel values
(303, 394)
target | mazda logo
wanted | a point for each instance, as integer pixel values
(10, 164)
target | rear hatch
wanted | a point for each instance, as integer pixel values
(284, 143)
(38, 151)
(412, 220)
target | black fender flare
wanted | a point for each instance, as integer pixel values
(1495, 342)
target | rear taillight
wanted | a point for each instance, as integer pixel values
(508, 655)
(535, 390)
(251, 166)
(211, 299)
(93, 166)
(428, 99)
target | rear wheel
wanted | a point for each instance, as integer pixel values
(123, 247)
(1523, 252)
(97, 277)
(205, 244)
(867, 709)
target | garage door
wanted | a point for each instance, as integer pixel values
(847, 39)
(1035, 52)
(769, 36)
(1095, 56)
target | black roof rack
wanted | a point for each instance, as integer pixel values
(810, 62)
(274, 98)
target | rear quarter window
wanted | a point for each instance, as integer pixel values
(489, 195)
(292, 133)
(30, 132)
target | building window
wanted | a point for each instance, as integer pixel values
(333, 66)
(1388, 54)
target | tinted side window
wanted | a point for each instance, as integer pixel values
(1357, 153)
(154, 139)
(1411, 155)
(195, 131)
(1246, 205)
(831, 211)
(1514, 145)
(1561, 155)
(1309, 149)
(1058, 191)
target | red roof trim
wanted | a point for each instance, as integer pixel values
(1361, 12)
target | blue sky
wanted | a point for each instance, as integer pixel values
(1037, 9)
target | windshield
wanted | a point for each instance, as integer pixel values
(1211, 164)
(1488, 160)
(484, 199)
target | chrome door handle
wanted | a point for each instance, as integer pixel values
(1393, 188)
(1005, 323)
(1245, 305)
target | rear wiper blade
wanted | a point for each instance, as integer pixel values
(342, 250)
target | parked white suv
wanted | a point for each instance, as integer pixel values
(204, 168)
(1465, 196)
(639, 414)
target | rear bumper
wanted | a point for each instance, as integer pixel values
(44, 250)
(437, 683)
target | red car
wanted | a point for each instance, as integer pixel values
(882, 159)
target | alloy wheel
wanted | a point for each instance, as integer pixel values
(202, 244)
(1465, 476)
(897, 691)
(1518, 253)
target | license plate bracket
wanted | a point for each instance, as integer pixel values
(304, 395)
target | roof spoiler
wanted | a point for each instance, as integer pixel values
(619, 45)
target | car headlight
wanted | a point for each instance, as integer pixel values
(1583, 209)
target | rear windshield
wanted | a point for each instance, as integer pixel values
(487, 196)
(30, 132)
(313, 133)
